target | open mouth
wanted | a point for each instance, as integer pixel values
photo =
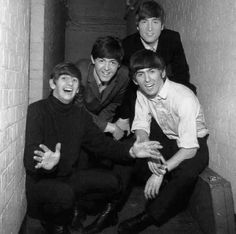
(68, 90)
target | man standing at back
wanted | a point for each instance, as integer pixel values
(152, 35)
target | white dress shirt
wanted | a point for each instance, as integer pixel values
(176, 110)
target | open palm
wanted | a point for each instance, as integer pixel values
(46, 158)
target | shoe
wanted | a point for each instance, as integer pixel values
(77, 221)
(135, 224)
(55, 229)
(106, 219)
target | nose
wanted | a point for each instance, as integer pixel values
(69, 81)
(107, 65)
(149, 26)
(146, 77)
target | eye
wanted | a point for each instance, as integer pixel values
(152, 71)
(75, 80)
(114, 63)
(139, 75)
(100, 60)
(143, 21)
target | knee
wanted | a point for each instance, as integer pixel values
(64, 196)
(115, 184)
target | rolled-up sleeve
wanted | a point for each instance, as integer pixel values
(142, 117)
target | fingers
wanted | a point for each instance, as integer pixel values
(44, 147)
(153, 144)
(162, 159)
(39, 165)
(58, 147)
(38, 159)
(39, 153)
(150, 191)
(154, 168)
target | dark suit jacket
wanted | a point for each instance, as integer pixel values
(171, 50)
(102, 105)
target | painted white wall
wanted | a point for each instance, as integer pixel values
(14, 65)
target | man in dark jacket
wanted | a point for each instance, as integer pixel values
(152, 35)
(56, 131)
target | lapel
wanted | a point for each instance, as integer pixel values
(92, 88)
(109, 90)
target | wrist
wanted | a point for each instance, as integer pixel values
(165, 167)
(110, 128)
(131, 152)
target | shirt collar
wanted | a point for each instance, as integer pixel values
(98, 82)
(164, 90)
(148, 47)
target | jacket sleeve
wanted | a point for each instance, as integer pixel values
(108, 113)
(95, 141)
(33, 138)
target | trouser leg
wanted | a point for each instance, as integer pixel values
(51, 200)
(93, 186)
(174, 196)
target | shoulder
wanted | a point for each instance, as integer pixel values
(37, 109)
(169, 35)
(130, 39)
(168, 32)
(38, 105)
(123, 71)
(123, 75)
(181, 95)
(83, 64)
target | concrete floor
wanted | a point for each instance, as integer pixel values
(181, 224)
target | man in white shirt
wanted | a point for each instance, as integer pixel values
(182, 133)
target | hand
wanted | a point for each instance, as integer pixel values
(117, 133)
(146, 149)
(157, 166)
(152, 186)
(46, 158)
(124, 125)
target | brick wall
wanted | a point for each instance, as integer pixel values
(14, 60)
(208, 33)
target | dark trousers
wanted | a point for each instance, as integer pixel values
(179, 183)
(53, 199)
(123, 171)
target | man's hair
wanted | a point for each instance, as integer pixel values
(145, 59)
(150, 9)
(108, 47)
(65, 68)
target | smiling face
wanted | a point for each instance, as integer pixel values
(150, 81)
(150, 29)
(65, 88)
(105, 69)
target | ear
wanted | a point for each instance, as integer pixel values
(135, 82)
(162, 27)
(163, 74)
(52, 84)
(92, 59)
